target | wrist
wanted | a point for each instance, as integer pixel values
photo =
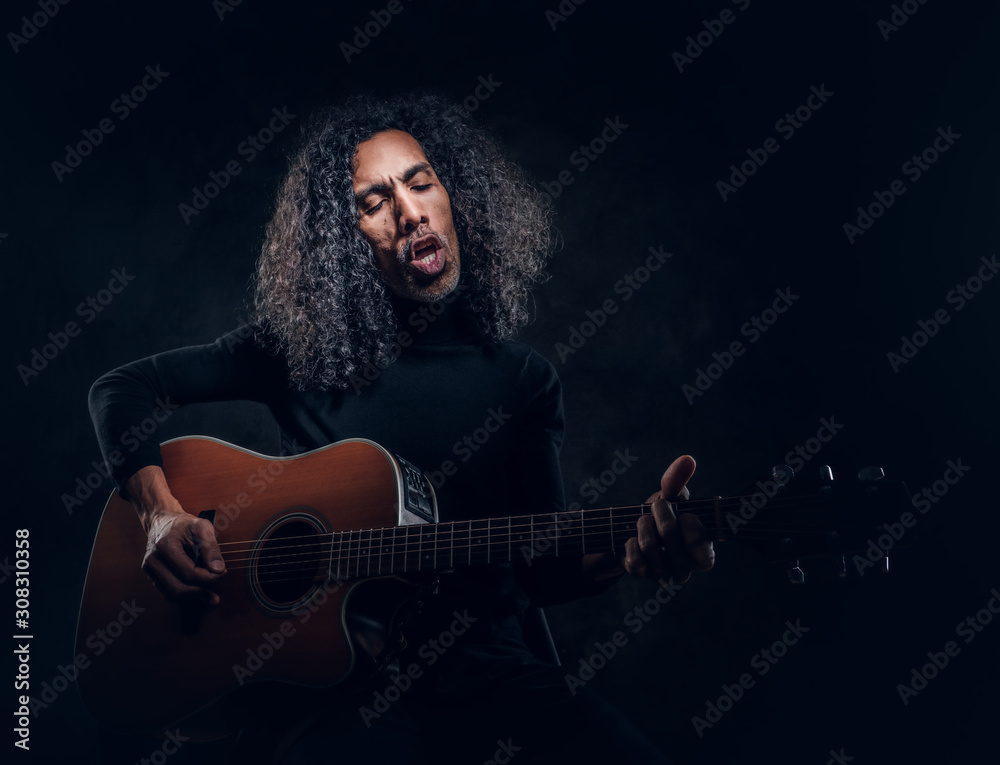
(150, 496)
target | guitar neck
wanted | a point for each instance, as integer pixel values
(435, 546)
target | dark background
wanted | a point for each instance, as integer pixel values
(654, 186)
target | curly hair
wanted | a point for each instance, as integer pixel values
(319, 297)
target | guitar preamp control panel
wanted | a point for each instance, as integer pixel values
(418, 495)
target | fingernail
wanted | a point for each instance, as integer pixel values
(216, 565)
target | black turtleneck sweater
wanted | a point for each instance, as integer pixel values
(432, 405)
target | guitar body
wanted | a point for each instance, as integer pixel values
(152, 662)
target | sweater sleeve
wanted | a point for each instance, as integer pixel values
(234, 367)
(547, 579)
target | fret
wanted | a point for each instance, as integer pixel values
(611, 525)
(393, 548)
(583, 531)
(357, 535)
(367, 536)
(478, 536)
(468, 546)
(336, 546)
(381, 539)
(411, 549)
(444, 543)
(510, 541)
(489, 541)
(427, 535)
(347, 556)
(451, 534)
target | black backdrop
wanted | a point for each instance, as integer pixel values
(554, 78)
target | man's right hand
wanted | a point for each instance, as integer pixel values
(182, 555)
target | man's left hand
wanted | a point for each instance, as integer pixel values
(667, 545)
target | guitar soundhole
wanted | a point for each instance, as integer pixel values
(289, 562)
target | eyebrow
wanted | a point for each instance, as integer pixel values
(382, 188)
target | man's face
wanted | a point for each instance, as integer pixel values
(405, 214)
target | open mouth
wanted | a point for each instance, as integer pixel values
(427, 255)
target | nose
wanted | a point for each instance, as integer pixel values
(410, 213)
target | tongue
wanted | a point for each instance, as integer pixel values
(432, 265)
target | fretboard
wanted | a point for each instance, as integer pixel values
(455, 544)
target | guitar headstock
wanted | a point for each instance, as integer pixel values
(790, 517)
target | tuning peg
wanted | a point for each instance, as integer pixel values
(871, 473)
(796, 575)
(782, 474)
(885, 565)
(842, 569)
(826, 474)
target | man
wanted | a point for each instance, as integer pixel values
(394, 272)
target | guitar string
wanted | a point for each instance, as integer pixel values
(358, 559)
(463, 540)
(596, 514)
(362, 572)
(377, 538)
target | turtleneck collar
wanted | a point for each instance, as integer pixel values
(430, 323)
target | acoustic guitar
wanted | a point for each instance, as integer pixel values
(309, 539)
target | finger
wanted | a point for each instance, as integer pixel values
(166, 581)
(679, 562)
(207, 546)
(634, 562)
(675, 478)
(701, 551)
(176, 554)
(650, 546)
